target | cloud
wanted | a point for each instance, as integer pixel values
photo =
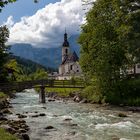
(46, 27)
(10, 22)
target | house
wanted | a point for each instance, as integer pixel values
(69, 66)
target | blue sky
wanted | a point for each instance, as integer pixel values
(42, 24)
(22, 8)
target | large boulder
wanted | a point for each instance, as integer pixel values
(77, 98)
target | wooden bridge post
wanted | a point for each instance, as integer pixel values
(42, 95)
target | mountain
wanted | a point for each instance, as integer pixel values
(48, 57)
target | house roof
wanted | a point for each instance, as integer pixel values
(70, 58)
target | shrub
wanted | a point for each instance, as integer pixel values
(6, 136)
(92, 94)
(2, 95)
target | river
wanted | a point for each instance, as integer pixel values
(74, 121)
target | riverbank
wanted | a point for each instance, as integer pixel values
(11, 129)
(76, 97)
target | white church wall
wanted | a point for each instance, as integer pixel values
(138, 68)
(77, 68)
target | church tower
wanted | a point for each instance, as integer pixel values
(65, 47)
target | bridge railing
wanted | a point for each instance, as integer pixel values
(37, 83)
(65, 83)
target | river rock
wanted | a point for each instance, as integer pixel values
(122, 115)
(44, 107)
(49, 127)
(69, 124)
(1, 114)
(84, 100)
(72, 133)
(2, 118)
(22, 116)
(35, 116)
(42, 114)
(73, 124)
(25, 137)
(67, 119)
(21, 121)
(17, 114)
(51, 100)
(77, 98)
(16, 127)
(22, 131)
(6, 111)
(115, 138)
(134, 109)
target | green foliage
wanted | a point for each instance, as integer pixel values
(4, 34)
(92, 94)
(63, 92)
(2, 95)
(13, 66)
(6, 136)
(110, 41)
(39, 74)
(27, 65)
(24, 70)
(5, 2)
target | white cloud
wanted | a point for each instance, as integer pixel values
(10, 22)
(46, 27)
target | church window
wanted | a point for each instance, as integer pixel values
(66, 51)
(70, 67)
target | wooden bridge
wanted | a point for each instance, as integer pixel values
(42, 84)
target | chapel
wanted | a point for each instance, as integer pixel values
(69, 66)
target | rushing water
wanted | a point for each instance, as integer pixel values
(86, 122)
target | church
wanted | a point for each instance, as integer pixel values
(69, 66)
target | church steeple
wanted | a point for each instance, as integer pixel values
(65, 47)
(65, 43)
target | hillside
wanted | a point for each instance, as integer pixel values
(29, 66)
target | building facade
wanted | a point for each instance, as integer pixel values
(70, 62)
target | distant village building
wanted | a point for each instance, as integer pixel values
(134, 70)
(70, 62)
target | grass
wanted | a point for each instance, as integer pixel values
(63, 92)
(2, 95)
(6, 136)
